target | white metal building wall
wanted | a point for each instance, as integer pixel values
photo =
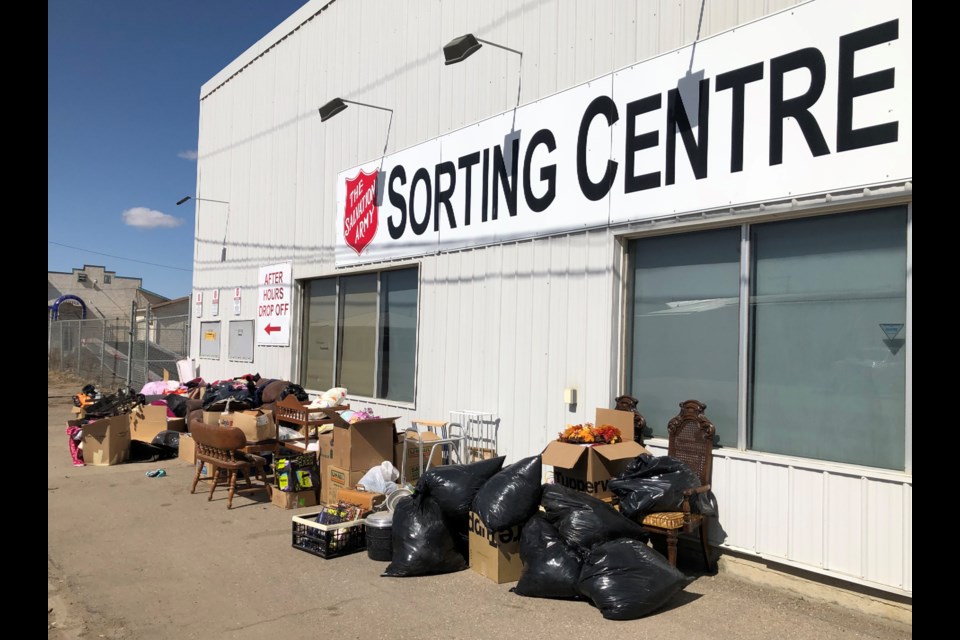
(505, 328)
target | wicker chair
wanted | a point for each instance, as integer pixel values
(222, 448)
(691, 441)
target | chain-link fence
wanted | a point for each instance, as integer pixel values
(116, 352)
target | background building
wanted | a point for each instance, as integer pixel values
(104, 293)
(692, 199)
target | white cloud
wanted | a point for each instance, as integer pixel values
(187, 155)
(149, 218)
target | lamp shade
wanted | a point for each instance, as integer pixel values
(460, 49)
(331, 109)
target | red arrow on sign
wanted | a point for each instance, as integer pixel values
(270, 329)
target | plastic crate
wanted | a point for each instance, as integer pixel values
(328, 540)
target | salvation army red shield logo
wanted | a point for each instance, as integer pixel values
(360, 211)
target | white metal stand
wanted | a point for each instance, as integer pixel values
(482, 431)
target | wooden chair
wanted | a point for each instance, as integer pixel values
(691, 441)
(222, 448)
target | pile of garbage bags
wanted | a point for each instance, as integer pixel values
(573, 545)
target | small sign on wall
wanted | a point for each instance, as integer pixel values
(215, 302)
(236, 301)
(198, 304)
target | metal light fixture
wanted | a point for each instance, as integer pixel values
(223, 249)
(337, 105)
(461, 48)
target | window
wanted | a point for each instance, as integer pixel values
(824, 358)
(81, 277)
(360, 333)
(107, 279)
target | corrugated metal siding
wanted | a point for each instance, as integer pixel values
(506, 328)
(848, 525)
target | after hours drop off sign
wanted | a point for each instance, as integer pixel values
(274, 302)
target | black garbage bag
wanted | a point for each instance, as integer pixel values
(551, 569)
(167, 438)
(627, 580)
(146, 452)
(584, 521)
(454, 486)
(294, 390)
(651, 484)
(178, 404)
(422, 541)
(511, 496)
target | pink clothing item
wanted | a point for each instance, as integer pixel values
(75, 452)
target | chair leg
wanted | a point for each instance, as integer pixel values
(233, 488)
(213, 485)
(704, 535)
(246, 477)
(196, 476)
(672, 547)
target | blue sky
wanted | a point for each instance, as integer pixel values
(123, 80)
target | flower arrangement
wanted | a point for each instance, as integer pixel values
(590, 434)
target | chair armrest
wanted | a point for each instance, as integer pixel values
(692, 492)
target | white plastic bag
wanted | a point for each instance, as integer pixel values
(377, 478)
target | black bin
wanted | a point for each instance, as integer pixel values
(380, 536)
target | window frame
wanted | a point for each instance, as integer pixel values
(304, 289)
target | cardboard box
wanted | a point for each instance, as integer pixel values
(362, 445)
(494, 554)
(334, 478)
(292, 499)
(414, 463)
(257, 425)
(211, 417)
(476, 454)
(147, 421)
(105, 441)
(325, 446)
(188, 449)
(589, 468)
(369, 500)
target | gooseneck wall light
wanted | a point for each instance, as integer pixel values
(337, 105)
(223, 249)
(461, 48)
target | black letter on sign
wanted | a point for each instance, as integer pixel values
(509, 186)
(605, 106)
(799, 107)
(467, 162)
(677, 119)
(396, 199)
(443, 197)
(634, 143)
(737, 80)
(422, 175)
(547, 174)
(851, 86)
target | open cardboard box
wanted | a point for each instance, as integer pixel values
(105, 441)
(589, 468)
(146, 421)
(360, 445)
